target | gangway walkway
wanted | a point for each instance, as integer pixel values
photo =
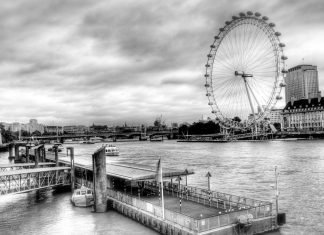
(25, 180)
(19, 166)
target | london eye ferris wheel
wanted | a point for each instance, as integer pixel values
(244, 71)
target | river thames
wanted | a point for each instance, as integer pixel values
(240, 168)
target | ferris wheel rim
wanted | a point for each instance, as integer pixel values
(273, 36)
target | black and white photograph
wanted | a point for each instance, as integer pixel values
(175, 117)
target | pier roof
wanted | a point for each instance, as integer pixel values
(132, 171)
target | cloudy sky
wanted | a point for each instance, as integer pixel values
(108, 62)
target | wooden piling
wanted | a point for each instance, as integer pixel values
(99, 180)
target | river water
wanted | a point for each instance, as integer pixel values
(240, 168)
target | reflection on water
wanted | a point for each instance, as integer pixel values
(241, 168)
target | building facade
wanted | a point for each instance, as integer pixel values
(301, 83)
(304, 115)
(275, 116)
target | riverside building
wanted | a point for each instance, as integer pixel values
(304, 115)
(301, 83)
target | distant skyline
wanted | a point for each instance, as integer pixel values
(111, 62)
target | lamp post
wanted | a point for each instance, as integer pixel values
(208, 175)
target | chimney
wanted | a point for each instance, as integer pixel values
(292, 99)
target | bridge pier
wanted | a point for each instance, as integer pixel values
(99, 180)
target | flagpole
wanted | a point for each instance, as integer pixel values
(162, 196)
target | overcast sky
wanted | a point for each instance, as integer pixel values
(79, 62)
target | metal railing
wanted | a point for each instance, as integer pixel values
(174, 217)
(259, 209)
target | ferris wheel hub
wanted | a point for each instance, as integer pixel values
(243, 75)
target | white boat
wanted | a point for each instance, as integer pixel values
(73, 141)
(82, 197)
(111, 150)
(93, 140)
(59, 147)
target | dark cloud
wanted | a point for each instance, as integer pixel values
(115, 61)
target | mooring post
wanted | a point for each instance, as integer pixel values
(27, 153)
(44, 153)
(36, 157)
(56, 157)
(11, 149)
(17, 157)
(71, 150)
(99, 180)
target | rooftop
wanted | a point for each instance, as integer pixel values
(305, 103)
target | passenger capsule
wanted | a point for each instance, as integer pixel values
(284, 71)
(206, 75)
(265, 18)
(216, 37)
(282, 84)
(249, 13)
(207, 85)
(227, 22)
(257, 14)
(284, 57)
(209, 55)
(210, 103)
(282, 44)
(234, 17)
(207, 65)
(212, 46)
(277, 34)
(207, 94)
(272, 25)
(221, 29)
(242, 14)
(278, 97)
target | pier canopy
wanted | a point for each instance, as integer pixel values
(139, 172)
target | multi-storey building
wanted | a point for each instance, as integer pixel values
(275, 116)
(301, 83)
(305, 114)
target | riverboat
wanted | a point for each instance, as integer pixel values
(73, 141)
(82, 197)
(93, 140)
(59, 147)
(111, 150)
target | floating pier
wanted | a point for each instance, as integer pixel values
(135, 191)
(132, 190)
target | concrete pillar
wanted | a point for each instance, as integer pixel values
(36, 157)
(71, 150)
(99, 180)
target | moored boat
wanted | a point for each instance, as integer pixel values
(82, 197)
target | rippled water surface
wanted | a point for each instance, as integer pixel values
(240, 168)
